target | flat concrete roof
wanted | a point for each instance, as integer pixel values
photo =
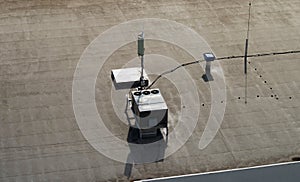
(41, 45)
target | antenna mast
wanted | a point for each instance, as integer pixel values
(246, 53)
(141, 51)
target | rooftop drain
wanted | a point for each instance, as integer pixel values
(296, 159)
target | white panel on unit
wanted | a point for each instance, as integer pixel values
(127, 78)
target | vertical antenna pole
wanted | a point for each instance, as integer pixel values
(141, 50)
(246, 52)
(142, 66)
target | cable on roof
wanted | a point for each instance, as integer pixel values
(223, 58)
(260, 55)
(172, 70)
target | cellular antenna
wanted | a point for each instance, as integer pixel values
(246, 52)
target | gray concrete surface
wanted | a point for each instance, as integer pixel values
(41, 43)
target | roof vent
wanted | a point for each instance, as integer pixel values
(137, 93)
(146, 92)
(154, 91)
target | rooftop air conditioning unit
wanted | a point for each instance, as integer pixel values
(151, 111)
